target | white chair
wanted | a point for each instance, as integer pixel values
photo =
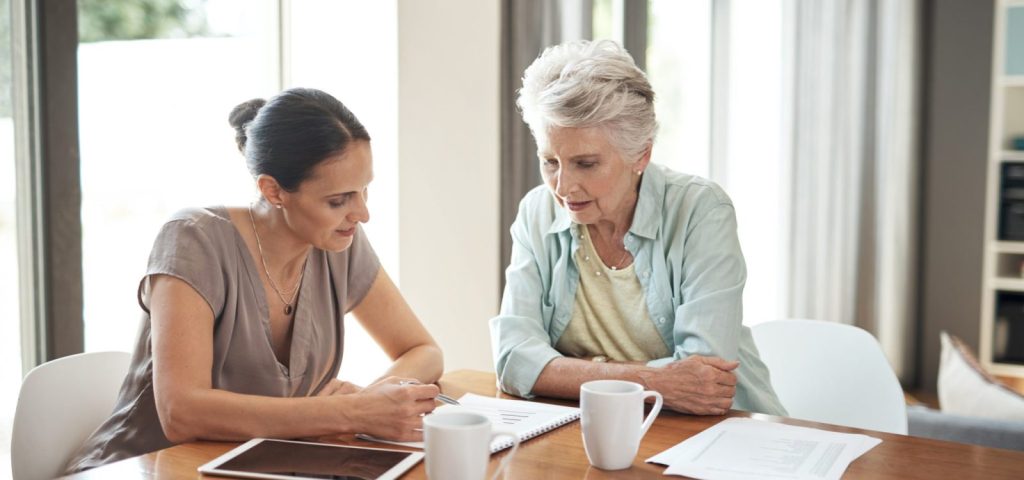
(832, 373)
(61, 403)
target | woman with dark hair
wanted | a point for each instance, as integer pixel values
(242, 331)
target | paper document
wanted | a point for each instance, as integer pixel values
(744, 448)
(525, 419)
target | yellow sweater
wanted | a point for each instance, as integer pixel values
(610, 314)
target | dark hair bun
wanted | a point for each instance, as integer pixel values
(287, 136)
(241, 115)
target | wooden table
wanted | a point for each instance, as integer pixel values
(559, 454)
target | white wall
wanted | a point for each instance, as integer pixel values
(448, 133)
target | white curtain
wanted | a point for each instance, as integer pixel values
(852, 169)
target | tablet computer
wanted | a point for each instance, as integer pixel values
(291, 460)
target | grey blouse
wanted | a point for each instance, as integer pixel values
(203, 248)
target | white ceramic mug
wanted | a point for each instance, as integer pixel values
(458, 445)
(612, 419)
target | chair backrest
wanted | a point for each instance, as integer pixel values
(60, 404)
(832, 373)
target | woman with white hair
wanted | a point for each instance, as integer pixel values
(620, 268)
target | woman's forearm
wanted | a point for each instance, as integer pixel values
(211, 414)
(562, 377)
(698, 385)
(424, 363)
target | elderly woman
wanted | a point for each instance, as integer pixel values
(621, 268)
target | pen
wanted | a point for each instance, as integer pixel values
(440, 397)
(446, 399)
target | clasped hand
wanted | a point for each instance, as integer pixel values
(698, 385)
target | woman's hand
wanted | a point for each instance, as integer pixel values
(394, 410)
(696, 384)
(339, 387)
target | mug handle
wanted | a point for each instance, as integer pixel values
(503, 466)
(654, 411)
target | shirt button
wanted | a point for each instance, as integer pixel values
(647, 274)
(661, 320)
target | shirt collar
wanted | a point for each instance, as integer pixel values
(647, 217)
(649, 203)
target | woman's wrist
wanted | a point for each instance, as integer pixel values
(344, 412)
(647, 377)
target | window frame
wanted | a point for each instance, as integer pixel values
(48, 194)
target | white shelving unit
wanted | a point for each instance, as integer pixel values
(1004, 258)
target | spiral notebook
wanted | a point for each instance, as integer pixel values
(525, 419)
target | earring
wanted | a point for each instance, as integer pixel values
(278, 206)
(639, 172)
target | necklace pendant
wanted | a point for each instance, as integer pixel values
(288, 309)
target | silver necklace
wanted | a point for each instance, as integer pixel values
(294, 291)
(617, 265)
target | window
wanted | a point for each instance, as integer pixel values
(753, 163)
(10, 332)
(154, 101)
(748, 163)
(745, 90)
(154, 95)
(679, 68)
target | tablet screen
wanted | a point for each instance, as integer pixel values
(289, 459)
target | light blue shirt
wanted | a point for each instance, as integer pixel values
(688, 260)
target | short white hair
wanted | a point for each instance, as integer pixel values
(581, 84)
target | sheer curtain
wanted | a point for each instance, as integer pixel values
(852, 169)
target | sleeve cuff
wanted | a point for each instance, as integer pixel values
(523, 368)
(660, 362)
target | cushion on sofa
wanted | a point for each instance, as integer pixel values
(965, 388)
